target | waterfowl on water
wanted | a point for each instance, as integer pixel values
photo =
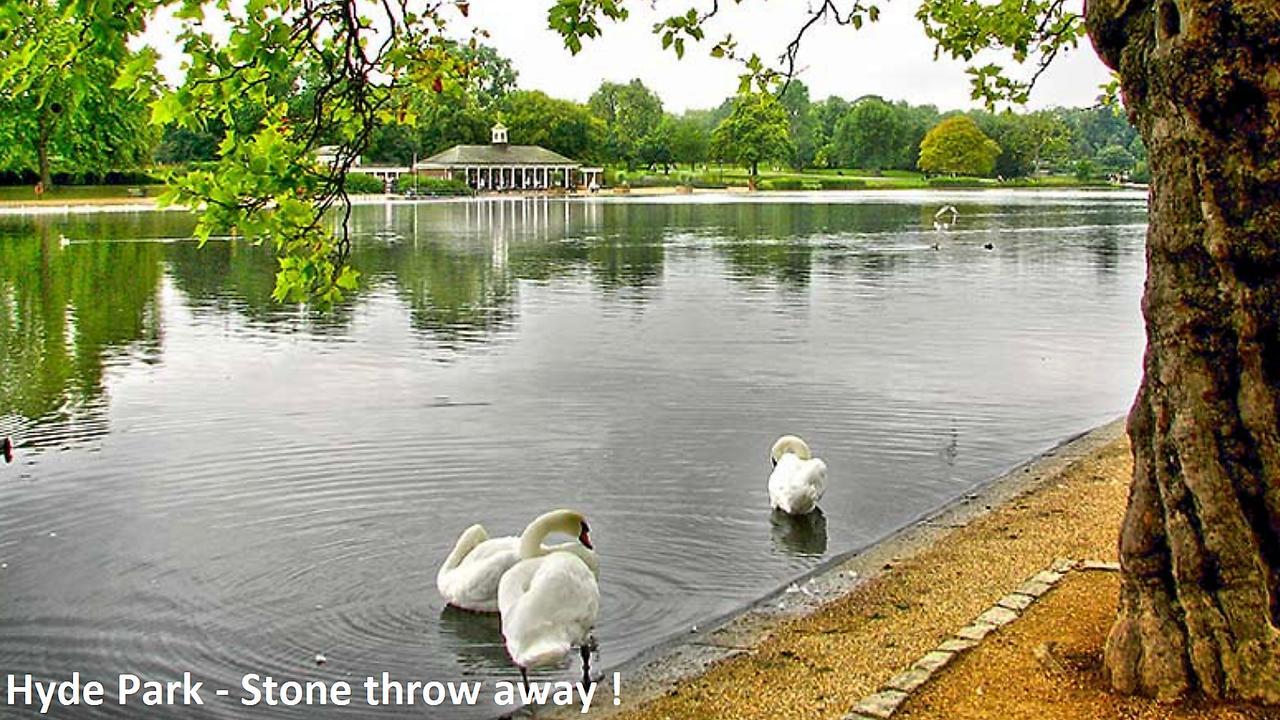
(550, 599)
(798, 479)
(939, 223)
(469, 577)
(6, 449)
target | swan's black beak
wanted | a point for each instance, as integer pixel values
(773, 461)
(585, 537)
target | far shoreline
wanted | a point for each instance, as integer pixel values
(69, 206)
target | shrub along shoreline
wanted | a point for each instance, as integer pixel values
(847, 179)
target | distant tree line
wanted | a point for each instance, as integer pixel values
(622, 124)
(625, 124)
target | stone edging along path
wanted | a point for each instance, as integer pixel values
(883, 703)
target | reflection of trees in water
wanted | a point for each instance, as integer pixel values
(226, 276)
(873, 265)
(789, 263)
(772, 241)
(238, 276)
(458, 265)
(454, 293)
(629, 251)
(783, 241)
(1107, 248)
(65, 311)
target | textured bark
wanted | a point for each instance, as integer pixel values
(1200, 545)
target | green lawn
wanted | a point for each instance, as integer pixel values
(731, 176)
(19, 193)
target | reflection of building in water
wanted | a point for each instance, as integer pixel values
(459, 265)
(501, 166)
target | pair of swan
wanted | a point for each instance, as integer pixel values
(798, 480)
(547, 595)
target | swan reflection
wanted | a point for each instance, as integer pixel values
(476, 640)
(804, 535)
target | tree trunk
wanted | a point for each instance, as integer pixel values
(1200, 545)
(42, 152)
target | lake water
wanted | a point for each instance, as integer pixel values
(211, 482)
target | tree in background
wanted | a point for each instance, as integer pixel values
(956, 146)
(535, 118)
(1092, 130)
(800, 124)
(871, 135)
(491, 76)
(66, 106)
(918, 120)
(460, 112)
(630, 113)
(1115, 160)
(1027, 142)
(180, 145)
(827, 115)
(691, 139)
(393, 145)
(655, 148)
(756, 132)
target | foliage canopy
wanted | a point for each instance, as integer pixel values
(756, 132)
(956, 146)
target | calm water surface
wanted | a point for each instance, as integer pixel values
(207, 481)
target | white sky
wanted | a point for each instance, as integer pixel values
(891, 58)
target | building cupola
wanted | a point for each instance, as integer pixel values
(499, 134)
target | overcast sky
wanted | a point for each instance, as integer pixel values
(891, 58)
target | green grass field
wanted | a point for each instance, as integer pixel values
(815, 179)
(26, 193)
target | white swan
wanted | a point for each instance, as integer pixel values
(798, 479)
(469, 577)
(550, 599)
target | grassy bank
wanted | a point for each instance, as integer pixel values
(26, 193)
(710, 177)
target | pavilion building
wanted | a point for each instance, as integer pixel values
(501, 166)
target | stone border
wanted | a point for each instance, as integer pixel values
(883, 703)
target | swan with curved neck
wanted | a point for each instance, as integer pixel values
(469, 577)
(798, 480)
(550, 599)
